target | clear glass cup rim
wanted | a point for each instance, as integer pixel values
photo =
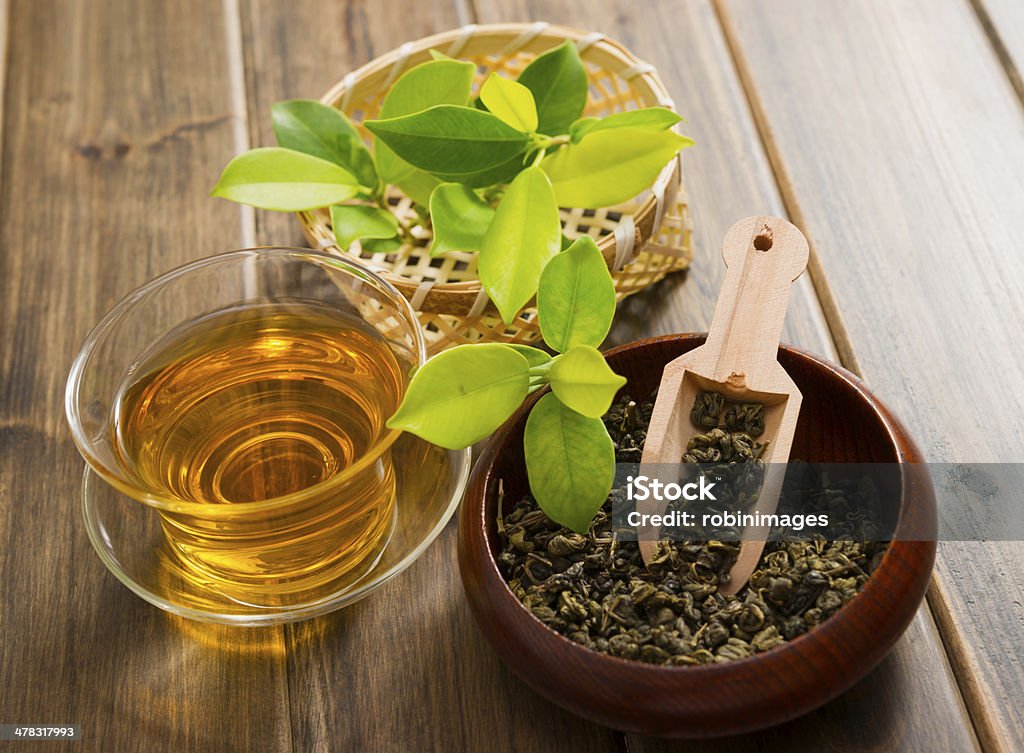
(114, 315)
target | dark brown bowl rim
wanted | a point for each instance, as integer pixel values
(905, 451)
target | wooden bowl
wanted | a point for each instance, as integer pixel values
(841, 422)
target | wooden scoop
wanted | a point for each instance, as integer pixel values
(763, 255)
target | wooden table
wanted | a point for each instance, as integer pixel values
(890, 131)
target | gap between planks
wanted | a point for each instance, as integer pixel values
(966, 679)
(988, 26)
(239, 108)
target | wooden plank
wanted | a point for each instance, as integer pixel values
(728, 176)
(1003, 21)
(897, 134)
(406, 669)
(117, 115)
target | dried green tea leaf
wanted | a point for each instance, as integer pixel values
(706, 409)
(610, 166)
(510, 101)
(584, 381)
(648, 118)
(576, 297)
(570, 461)
(284, 180)
(523, 237)
(459, 217)
(450, 139)
(558, 82)
(462, 395)
(352, 223)
(311, 127)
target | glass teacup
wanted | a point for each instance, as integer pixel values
(243, 397)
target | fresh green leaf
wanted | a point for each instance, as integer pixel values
(438, 55)
(580, 127)
(582, 379)
(460, 219)
(450, 139)
(610, 166)
(462, 395)
(566, 241)
(352, 223)
(417, 184)
(570, 461)
(559, 85)
(284, 180)
(648, 118)
(437, 82)
(576, 297)
(510, 101)
(311, 127)
(533, 356)
(381, 245)
(503, 173)
(523, 237)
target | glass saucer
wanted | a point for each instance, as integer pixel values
(129, 538)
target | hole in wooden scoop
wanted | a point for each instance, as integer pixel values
(762, 242)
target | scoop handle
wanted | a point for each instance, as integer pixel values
(763, 256)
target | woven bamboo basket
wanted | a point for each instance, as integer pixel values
(642, 240)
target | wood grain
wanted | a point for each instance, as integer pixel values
(116, 117)
(406, 669)
(858, 96)
(728, 176)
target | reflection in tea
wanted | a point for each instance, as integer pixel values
(256, 403)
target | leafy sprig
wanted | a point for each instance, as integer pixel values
(490, 172)
(464, 394)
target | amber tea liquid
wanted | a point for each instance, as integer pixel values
(253, 404)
